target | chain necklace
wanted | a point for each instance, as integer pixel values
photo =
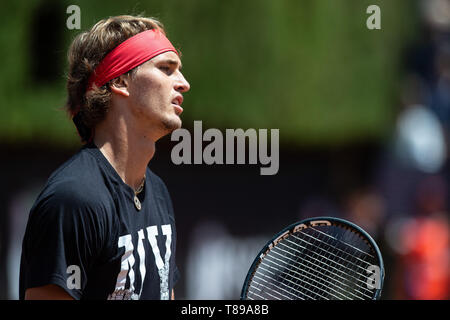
(137, 203)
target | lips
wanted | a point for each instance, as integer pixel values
(176, 102)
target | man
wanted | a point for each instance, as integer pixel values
(103, 227)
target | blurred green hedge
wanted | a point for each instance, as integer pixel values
(308, 67)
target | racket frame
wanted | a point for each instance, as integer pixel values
(314, 222)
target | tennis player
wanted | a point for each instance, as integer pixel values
(103, 227)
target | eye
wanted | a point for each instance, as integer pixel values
(166, 69)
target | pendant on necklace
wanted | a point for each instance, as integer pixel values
(137, 203)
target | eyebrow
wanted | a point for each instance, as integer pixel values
(173, 62)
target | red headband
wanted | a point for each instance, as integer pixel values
(129, 54)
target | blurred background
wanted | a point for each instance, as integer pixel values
(363, 115)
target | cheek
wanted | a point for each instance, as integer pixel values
(149, 91)
(142, 97)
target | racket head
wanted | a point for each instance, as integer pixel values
(327, 250)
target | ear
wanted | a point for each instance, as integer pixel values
(120, 86)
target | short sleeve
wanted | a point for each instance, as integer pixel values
(63, 237)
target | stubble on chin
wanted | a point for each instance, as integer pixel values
(171, 125)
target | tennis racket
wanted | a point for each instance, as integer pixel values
(321, 258)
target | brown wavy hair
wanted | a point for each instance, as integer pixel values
(86, 51)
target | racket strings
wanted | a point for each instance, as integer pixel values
(326, 262)
(335, 265)
(294, 291)
(313, 266)
(315, 278)
(301, 287)
(346, 264)
(318, 277)
(270, 286)
(351, 259)
(332, 247)
(271, 291)
(353, 235)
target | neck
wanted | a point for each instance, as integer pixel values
(128, 153)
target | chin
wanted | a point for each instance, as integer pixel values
(172, 124)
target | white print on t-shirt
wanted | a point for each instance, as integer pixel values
(163, 267)
(128, 260)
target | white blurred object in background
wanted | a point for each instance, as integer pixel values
(420, 139)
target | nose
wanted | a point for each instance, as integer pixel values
(181, 84)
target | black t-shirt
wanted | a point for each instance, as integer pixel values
(86, 235)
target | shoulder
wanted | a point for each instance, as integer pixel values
(75, 188)
(81, 168)
(69, 193)
(67, 209)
